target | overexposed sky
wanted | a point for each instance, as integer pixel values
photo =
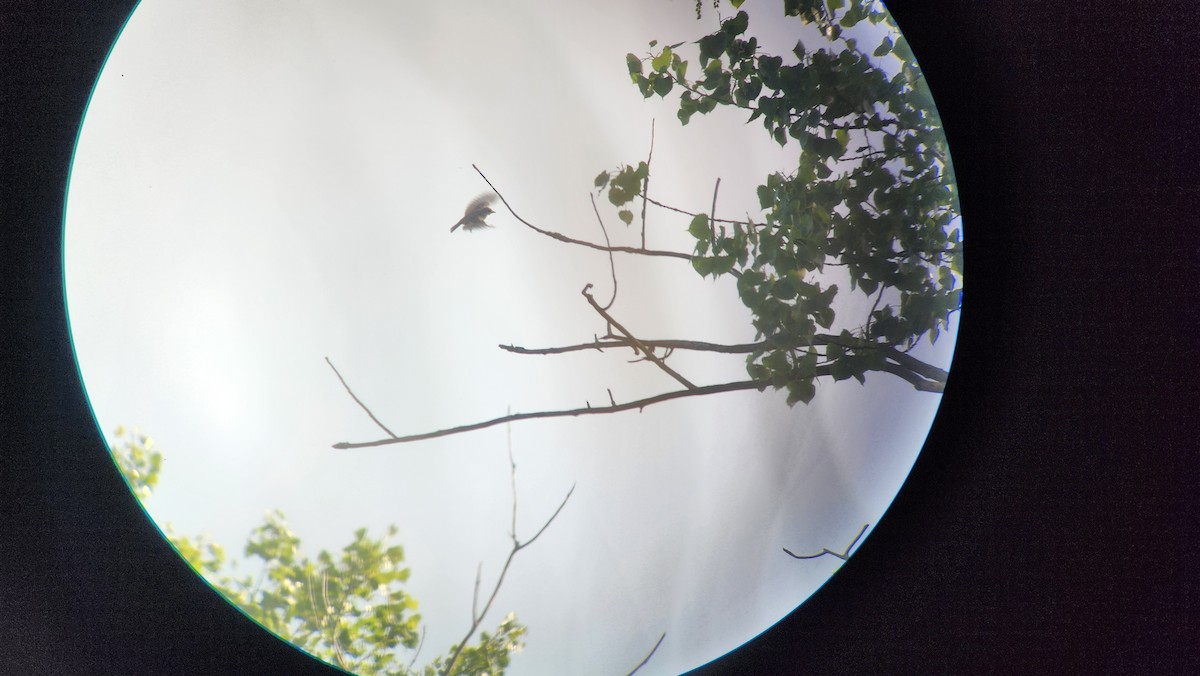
(260, 186)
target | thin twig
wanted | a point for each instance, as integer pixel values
(712, 214)
(844, 555)
(648, 352)
(612, 266)
(649, 655)
(646, 182)
(628, 406)
(570, 240)
(356, 399)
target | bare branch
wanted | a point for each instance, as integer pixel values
(646, 351)
(570, 240)
(356, 399)
(628, 406)
(843, 555)
(612, 266)
(648, 656)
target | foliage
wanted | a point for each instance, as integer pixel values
(873, 193)
(349, 609)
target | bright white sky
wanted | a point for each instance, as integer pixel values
(260, 186)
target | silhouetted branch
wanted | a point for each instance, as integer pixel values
(513, 417)
(356, 399)
(646, 351)
(844, 555)
(648, 656)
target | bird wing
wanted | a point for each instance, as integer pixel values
(479, 202)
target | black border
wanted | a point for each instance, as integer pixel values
(1045, 526)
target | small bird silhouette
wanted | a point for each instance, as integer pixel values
(479, 209)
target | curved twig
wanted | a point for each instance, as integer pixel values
(612, 266)
(648, 656)
(843, 555)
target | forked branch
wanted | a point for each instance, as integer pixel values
(517, 546)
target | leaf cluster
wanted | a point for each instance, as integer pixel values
(873, 189)
(348, 608)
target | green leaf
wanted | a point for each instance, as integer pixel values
(801, 391)
(703, 265)
(634, 64)
(713, 46)
(884, 47)
(626, 216)
(736, 3)
(601, 179)
(662, 62)
(662, 84)
(699, 227)
(736, 25)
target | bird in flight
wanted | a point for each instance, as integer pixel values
(479, 209)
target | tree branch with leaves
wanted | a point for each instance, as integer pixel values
(872, 197)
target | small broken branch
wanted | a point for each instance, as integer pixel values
(843, 555)
(638, 345)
